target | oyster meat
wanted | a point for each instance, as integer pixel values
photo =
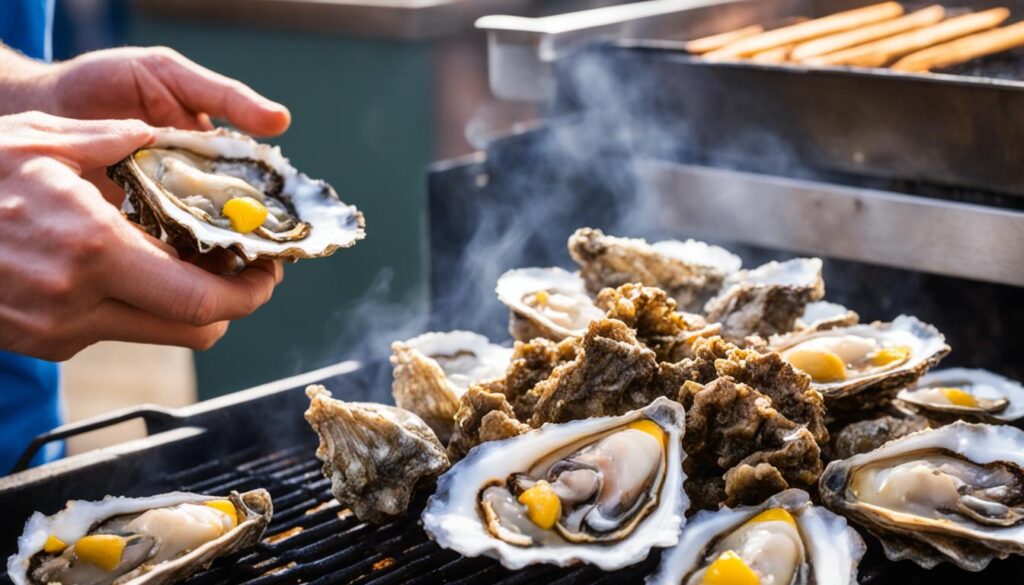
(374, 455)
(955, 493)
(862, 366)
(783, 541)
(962, 393)
(546, 302)
(767, 300)
(155, 540)
(222, 189)
(433, 370)
(600, 490)
(691, 272)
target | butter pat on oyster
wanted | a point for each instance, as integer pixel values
(784, 541)
(601, 490)
(154, 540)
(546, 302)
(967, 394)
(222, 189)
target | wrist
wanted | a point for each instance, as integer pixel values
(25, 84)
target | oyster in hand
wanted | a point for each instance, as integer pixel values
(154, 540)
(375, 455)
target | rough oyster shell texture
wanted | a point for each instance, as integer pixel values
(374, 455)
(453, 520)
(333, 224)
(78, 517)
(868, 435)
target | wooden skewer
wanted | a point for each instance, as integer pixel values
(859, 36)
(964, 49)
(776, 55)
(883, 52)
(805, 31)
(715, 42)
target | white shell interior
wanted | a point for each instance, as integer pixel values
(452, 519)
(489, 359)
(699, 253)
(980, 383)
(798, 272)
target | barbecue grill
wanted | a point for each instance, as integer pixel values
(920, 232)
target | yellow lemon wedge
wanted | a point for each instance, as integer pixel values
(959, 397)
(650, 427)
(890, 355)
(226, 507)
(542, 504)
(246, 214)
(773, 515)
(820, 364)
(730, 569)
(102, 550)
(54, 545)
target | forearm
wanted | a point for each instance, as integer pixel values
(25, 84)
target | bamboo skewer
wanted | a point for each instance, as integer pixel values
(964, 49)
(715, 42)
(882, 52)
(874, 32)
(811, 29)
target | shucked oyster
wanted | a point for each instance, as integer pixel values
(961, 393)
(599, 490)
(221, 189)
(374, 455)
(433, 370)
(155, 540)
(546, 302)
(862, 366)
(783, 541)
(691, 272)
(954, 494)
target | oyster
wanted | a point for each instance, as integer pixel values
(961, 393)
(222, 189)
(862, 366)
(821, 315)
(867, 435)
(599, 490)
(785, 540)
(483, 416)
(374, 455)
(955, 493)
(546, 302)
(767, 300)
(154, 540)
(433, 370)
(691, 272)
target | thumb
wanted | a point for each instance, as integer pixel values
(91, 144)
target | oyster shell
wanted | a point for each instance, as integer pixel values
(955, 493)
(483, 416)
(374, 455)
(785, 540)
(177, 189)
(546, 302)
(822, 315)
(691, 272)
(154, 540)
(868, 435)
(432, 371)
(862, 366)
(767, 300)
(962, 393)
(484, 505)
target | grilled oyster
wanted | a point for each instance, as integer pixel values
(433, 370)
(767, 300)
(822, 315)
(155, 540)
(222, 189)
(374, 455)
(691, 272)
(961, 393)
(599, 490)
(862, 366)
(546, 302)
(955, 493)
(868, 435)
(785, 541)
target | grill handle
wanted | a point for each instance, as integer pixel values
(157, 419)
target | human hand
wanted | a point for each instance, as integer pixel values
(74, 271)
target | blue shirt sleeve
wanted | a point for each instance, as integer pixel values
(27, 25)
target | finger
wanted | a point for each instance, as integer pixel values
(116, 321)
(163, 285)
(217, 261)
(91, 144)
(206, 92)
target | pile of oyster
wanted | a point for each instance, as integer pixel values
(664, 397)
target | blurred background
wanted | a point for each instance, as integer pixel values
(378, 89)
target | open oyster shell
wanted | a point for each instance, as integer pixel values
(484, 505)
(767, 300)
(955, 493)
(178, 525)
(820, 547)
(863, 366)
(432, 371)
(375, 455)
(963, 393)
(546, 302)
(176, 189)
(822, 315)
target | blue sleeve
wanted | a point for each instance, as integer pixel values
(27, 25)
